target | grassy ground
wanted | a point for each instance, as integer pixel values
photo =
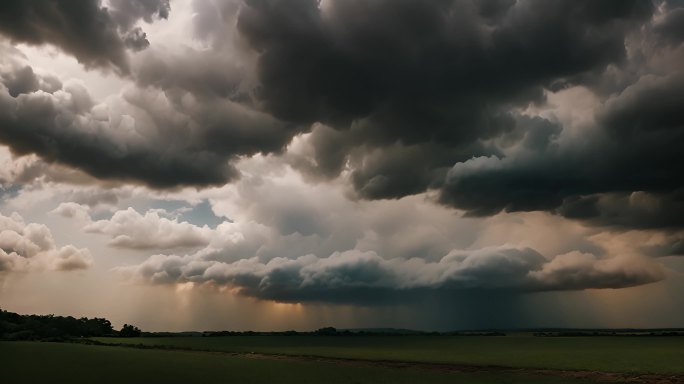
(663, 355)
(33, 362)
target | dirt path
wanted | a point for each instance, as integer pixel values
(596, 376)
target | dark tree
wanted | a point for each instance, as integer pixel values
(129, 331)
(51, 327)
(327, 331)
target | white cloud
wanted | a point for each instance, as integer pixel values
(72, 211)
(26, 247)
(130, 229)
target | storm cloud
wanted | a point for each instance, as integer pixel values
(67, 127)
(353, 276)
(142, 135)
(403, 77)
(420, 71)
(334, 250)
(404, 95)
(96, 35)
(358, 150)
(635, 151)
(430, 96)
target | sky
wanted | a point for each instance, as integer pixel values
(275, 165)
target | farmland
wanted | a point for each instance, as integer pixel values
(518, 358)
(662, 355)
(35, 362)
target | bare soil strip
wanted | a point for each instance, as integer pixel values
(597, 376)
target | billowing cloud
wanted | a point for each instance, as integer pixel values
(672, 246)
(130, 229)
(430, 70)
(32, 125)
(18, 77)
(627, 210)
(290, 241)
(397, 104)
(578, 270)
(362, 150)
(353, 276)
(70, 258)
(25, 247)
(95, 34)
(72, 210)
(635, 154)
(181, 140)
(463, 127)
(415, 87)
(126, 13)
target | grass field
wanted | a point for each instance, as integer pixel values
(34, 362)
(663, 355)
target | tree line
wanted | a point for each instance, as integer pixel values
(14, 326)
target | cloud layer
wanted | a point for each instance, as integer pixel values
(354, 277)
(400, 98)
(362, 150)
(291, 242)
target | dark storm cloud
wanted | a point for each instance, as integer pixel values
(652, 104)
(546, 181)
(396, 170)
(143, 135)
(136, 39)
(364, 277)
(65, 128)
(637, 149)
(671, 27)
(207, 75)
(407, 96)
(95, 35)
(21, 81)
(126, 13)
(627, 210)
(415, 87)
(421, 71)
(20, 78)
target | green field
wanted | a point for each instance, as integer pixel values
(34, 362)
(663, 355)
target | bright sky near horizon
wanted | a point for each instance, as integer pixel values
(273, 165)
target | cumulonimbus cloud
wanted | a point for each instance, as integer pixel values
(397, 98)
(96, 34)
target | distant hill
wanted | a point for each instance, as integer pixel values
(389, 331)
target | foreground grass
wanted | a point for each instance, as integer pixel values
(662, 355)
(33, 362)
